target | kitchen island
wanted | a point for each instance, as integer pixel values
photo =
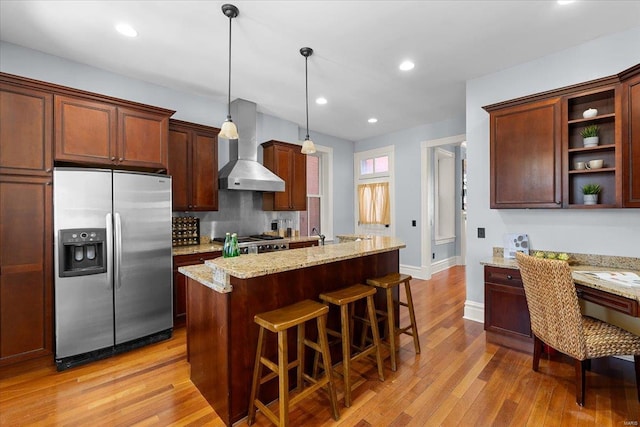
(224, 294)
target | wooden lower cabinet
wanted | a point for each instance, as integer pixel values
(180, 283)
(506, 315)
(26, 268)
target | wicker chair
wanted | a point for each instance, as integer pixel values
(556, 320)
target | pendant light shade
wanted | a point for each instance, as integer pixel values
(229, 129)
(307, 145)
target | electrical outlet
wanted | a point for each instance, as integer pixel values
(480, 232)
(413, 222)
(433, 255)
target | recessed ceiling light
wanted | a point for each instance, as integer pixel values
(126, 30)
(565, 2)
(373, 120)
(321, 101)
(406, 66)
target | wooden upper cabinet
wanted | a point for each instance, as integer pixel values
(142, 138)
(26, 130)
(631, 139)
(26, 279)
(286, 161)
(193, 165)
(526, 155)
(102, 133)
(85, 130)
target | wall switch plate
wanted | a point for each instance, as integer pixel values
(480, 232)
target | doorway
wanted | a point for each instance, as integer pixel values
(428, 194)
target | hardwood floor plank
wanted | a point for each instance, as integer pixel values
(458, 379)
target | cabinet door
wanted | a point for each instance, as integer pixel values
(283, 160)
(25, 131)
(179, 168)
(631, 143)
(142, 139)
(85, 131)
(180, 283)
(526, 156)
(26, 268)
(298, 182)
(204, 149)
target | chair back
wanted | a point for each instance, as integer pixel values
(553, 304)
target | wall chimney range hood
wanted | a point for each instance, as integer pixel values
(243, 172)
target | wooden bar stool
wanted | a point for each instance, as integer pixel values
(387, 283)
(279, 321)
(344, 298)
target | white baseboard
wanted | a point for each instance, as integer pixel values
(443, 264)
(474, 311)
(413, 271)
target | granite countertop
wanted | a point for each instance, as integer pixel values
(216, 246)
(631, 292)
(215, 273)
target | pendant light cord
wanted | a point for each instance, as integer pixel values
(229, 91)
(306, 91)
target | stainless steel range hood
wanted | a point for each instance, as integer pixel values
(243, 172)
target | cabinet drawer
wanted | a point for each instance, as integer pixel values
(503, 276)
(192, 259)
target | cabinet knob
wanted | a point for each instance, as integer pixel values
(49, 182)
(201, 259)
(113, 159)
(120, 159)
(579, 293)
(48, 170)
(510, 277)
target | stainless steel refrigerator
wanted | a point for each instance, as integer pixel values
(113, 262)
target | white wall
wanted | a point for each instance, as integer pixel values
(407, 178)
(602, 231)
(189, 107)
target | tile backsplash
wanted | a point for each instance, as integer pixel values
(238, 212)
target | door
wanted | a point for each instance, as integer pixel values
(142, 254)
(374, 192)
(84, 304)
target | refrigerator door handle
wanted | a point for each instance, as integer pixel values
(118, 250)
(109, 231)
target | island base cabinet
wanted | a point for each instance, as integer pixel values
(222, 335)
(506, 314)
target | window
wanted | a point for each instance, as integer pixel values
(444, 200)
(373, 203)
(312, 217)
(319, 213)
(373, 192)
(374, 166)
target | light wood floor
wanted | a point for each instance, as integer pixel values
(457, 380)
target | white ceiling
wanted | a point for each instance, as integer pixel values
(357, 48)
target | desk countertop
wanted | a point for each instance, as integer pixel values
(631, 292)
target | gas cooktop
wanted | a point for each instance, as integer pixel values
(259, 243)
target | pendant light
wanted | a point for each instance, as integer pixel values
(307, 145)
(229, 129)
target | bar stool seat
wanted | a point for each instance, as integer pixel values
(279, 321)
(388, 283)
(345, 299)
